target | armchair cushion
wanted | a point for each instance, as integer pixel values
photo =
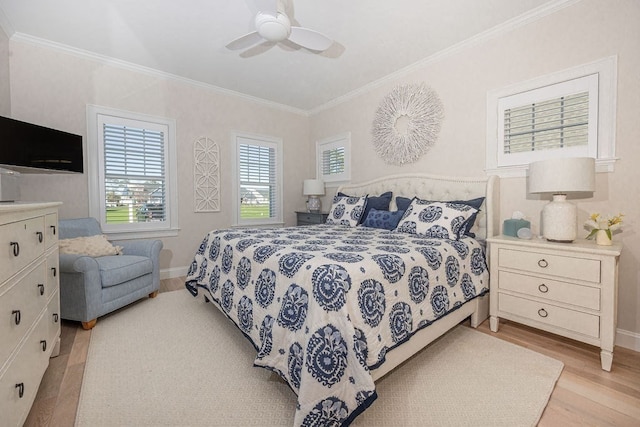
(115, 270)
(93, 246)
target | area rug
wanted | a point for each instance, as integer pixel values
(177, 361)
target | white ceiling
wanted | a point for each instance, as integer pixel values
(186, 38)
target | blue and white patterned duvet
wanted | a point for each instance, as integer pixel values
(324, 304)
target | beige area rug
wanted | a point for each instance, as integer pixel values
(177, 361)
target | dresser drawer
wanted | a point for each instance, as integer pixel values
(568, 267)
(552, 290)
(20, 243)
(52, 319)
(51, 229)
(557, 317)
(24, 372)
(20, 305)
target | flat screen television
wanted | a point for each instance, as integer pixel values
(29, 148)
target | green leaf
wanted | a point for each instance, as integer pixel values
(609, 234)
(592, 234)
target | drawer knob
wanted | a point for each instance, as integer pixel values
(16, 248)
(43, 343)
(542, 312)
(20, 388)
(53, 228)
(543, 263)
(41, 288)
(16, 316)
(53, 270)
(56, 318)
(543, 288)
(40, 236)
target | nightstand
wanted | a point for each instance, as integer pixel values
(570, 289)
(309, 218)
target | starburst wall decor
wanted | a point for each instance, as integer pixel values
(407, 123)
(206, 175)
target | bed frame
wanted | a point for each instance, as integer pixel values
(441, 188)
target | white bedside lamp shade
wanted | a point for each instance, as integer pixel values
(313, 188)
(560, 177)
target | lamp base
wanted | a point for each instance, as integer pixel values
(313, 204)
(559, 220)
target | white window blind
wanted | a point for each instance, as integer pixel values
(257, 165)
(552, 124)
(134, 174)
(333, 161)
(333, 158)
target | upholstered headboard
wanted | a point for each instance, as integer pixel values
(441, 188)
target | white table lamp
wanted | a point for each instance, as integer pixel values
(560, 177)
(313, 188)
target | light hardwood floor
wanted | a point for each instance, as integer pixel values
(585, 395)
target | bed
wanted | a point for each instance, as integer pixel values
(331, 308)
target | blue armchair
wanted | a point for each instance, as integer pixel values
(92, 287)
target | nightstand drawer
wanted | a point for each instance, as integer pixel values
(553, 290)
(574, 321)
(309, 218)
(554, 265)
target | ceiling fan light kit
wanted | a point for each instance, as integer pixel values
(274, 26)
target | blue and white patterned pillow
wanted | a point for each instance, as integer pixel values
(346, 210)
(443, 220)
(387, 220)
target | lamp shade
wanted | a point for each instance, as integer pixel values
(562, 176)
(313, 187)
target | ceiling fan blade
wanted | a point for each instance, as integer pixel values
(310, 39)
(245, 41)
(267, 6)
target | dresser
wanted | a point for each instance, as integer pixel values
(29, 303)
(570, 289)
(309, 218)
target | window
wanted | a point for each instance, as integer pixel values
(133, 190)
(334, 158)
(258, 180)
(568, 114)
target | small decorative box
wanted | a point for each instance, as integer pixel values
(510, 227)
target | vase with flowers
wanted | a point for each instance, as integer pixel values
(602, 228)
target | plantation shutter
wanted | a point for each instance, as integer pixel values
(555, 123)
(258, 181)
(134, 174)
(333, 161)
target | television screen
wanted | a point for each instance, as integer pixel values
(29, 148)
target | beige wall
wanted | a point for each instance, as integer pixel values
(5, 93)
(52, 88)
(584, 32)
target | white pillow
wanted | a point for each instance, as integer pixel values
(93, 246)
(346, 210)
(442, 220)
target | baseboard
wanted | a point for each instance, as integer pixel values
(172, 273)
(628, 339)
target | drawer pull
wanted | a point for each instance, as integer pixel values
(40, 236)
(41, 287)
(53, 228)
(43, 343)
(542, 312)
(543, 288)
(16, 248)
(20, 388)
(53, 270)
(16, 316)
(543, 263)
(55, 317)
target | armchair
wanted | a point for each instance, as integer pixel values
(91, 287)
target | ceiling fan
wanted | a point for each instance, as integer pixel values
(273, 25)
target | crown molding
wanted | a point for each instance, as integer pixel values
(504, 28)
(117, 63)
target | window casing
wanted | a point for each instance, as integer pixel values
(333, 156)
(567, 114)
(258, 180)
(133, 193)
